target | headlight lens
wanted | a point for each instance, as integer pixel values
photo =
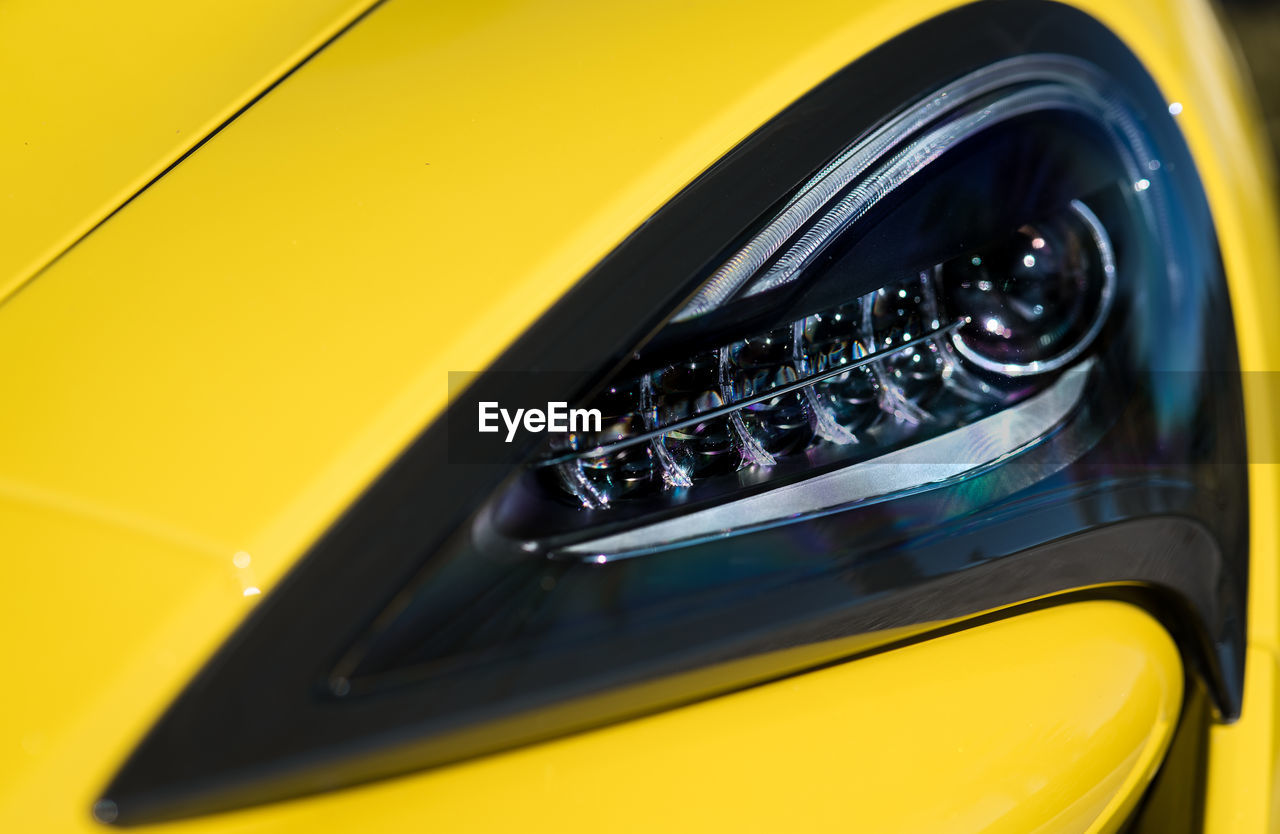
(889, 364)
(1033, 302)
(806, 352)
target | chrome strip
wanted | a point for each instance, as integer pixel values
(858, 159)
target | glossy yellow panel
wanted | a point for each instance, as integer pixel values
(1243, 779)
(94, 605)
(224, 364)
(1048, 722)
(99, 97)
(273, 320)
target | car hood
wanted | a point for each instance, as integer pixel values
(122, 90)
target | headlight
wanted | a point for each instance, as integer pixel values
(790, 361)
(913, 354)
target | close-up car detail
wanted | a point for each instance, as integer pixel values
(591, 417)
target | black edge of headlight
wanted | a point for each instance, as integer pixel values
(268, 717)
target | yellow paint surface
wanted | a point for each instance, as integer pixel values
(221, 367)
(98, 98)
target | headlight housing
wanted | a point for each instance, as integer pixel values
(1004, 278)
(917, 352)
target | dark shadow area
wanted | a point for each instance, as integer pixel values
(1255, 27)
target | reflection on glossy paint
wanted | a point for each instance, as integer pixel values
(248, 584)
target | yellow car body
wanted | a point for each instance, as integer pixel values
(207, 247)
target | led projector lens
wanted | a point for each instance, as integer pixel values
(930, 352)
(1035, 301)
